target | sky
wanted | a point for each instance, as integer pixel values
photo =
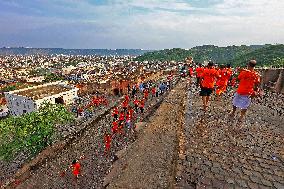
(145, 24)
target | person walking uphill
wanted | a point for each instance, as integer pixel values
(222, 81)
(248, 88)
(208, 77)
(198, 71)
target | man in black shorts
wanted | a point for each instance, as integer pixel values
(208, 77)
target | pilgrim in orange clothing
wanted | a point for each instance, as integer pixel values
(129, 117)
(124, 105)
(136, 104)
(208, 77)
(121, 116)
(222, 80)
(126, 98)
(153, 90)
(198, 72)
(76, 168)
(115, 112)
(141, 105)
(107, 140)
(146, 93)
(249, 81)
(114, 127)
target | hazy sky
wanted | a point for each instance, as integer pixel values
(146, 24)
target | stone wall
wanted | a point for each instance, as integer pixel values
(273, 79)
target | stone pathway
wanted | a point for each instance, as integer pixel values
(150, 162)
(219, 154)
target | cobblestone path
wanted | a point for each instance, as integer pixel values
(220, 154)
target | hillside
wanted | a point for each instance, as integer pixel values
(272, 55)
(200, 53)
(236, 55)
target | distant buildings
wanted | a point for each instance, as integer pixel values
(30, 99)
(37, 79)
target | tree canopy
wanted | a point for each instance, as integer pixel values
(266, 55)
(31, 132)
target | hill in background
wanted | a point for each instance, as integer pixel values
(266, 55)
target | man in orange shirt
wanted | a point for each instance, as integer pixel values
(198, 71)
(222, 81)
(114, 127)
(107, 140)
(76, 168)
(136, 104)
(208, 77)
(141, 105)
(115, 113)
(248, 87)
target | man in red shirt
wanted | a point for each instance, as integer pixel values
(153, 90)
(198, 71)
(114, 127)
(126, 98)
(129, 117)
(222, 81)
(107, 139)
(136, 104)
(121, 116)
(115, 113)
(208, 77)
(146, 93)
(124, 105)
(76, 168)
(141, 105)
(248, 87)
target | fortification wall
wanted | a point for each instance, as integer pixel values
(273, 78)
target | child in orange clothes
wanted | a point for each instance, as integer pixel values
(107, 140)
(76, 168)
(222, 81)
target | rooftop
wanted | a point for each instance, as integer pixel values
(42, 91)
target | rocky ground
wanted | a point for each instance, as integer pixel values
(221, 154)
(208, 150)
(150, 162)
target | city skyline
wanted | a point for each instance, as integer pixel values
(118, 24)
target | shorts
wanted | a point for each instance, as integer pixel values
(205, 91)
(241, 101)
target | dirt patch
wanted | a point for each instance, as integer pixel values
(150, 162)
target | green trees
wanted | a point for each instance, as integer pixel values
(9, 88)
(52, 77)
(31, 132)
(266, 55)
(199, 53)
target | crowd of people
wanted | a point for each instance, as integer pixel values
(129, 109)
(219, 79)
(209, 79)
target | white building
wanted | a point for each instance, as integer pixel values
(30, 99)
(38, 79)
